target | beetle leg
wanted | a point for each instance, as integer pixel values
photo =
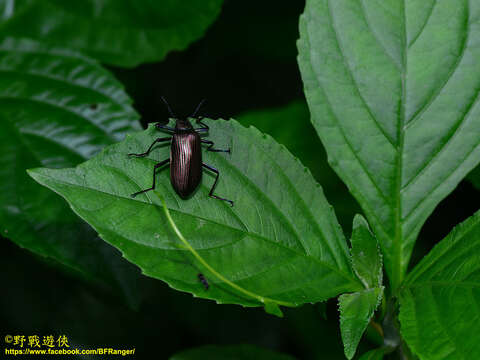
(210, 147)
(205, 127)
(150, 147)
(160, 164)
(215, 183)
(165, 128)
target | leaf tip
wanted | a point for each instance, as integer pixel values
(272, 308)
(359, 221)
(35, 173)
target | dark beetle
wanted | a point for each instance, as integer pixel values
(185, 156)
(203, 280)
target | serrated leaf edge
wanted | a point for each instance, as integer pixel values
(367, 319)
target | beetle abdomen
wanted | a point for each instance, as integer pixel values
(185, 163)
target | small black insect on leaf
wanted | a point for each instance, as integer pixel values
(204, 281)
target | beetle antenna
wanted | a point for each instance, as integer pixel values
(198, 108)
(168, 107)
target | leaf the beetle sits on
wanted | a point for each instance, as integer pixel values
(231, 352)
(439, 302)
(393, 89)
(116, 32)
(280, 241)
(46, 119)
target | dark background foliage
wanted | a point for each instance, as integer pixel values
(245, 62)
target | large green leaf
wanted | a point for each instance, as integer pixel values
(280, 242)
(393, 88)
(440, 300)
(57, 109)
(231, 352)
(118, 32)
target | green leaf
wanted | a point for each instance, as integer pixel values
(230, 352)
(440, 300)
(366, 256)
(290, 126)
(57, 109)
(356, 310)
(394, 96)
(376, 354)
(116, 32)
(280, 242)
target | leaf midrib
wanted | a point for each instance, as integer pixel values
(258, 236)
(398, 270)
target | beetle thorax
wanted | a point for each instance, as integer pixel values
(183, 125)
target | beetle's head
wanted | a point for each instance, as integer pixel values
(183, 125)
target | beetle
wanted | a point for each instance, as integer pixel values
(185, 155)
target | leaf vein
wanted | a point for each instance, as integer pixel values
(354, 82)
(375, 35)
(63, 108)
(412, 42)
(365, 202)
(452, 135)
(418, 114)
(98, 91)
(460, 163)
